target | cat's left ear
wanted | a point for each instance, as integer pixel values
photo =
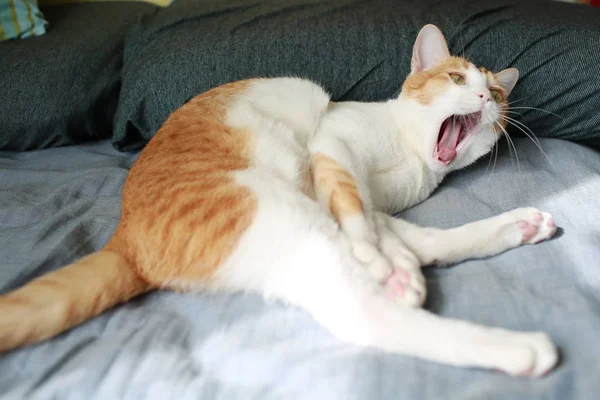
(430, 48)
(508, 79)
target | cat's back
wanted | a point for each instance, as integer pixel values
(230, 127)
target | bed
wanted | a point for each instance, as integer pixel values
(60, 183)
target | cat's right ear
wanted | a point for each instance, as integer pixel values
(429, 49)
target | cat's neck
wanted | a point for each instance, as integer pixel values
(382, 135)
(405, 118)
(385, 135)
(408, 118)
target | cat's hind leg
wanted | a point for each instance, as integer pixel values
(417, 332)
(295, 252)
(476, 239)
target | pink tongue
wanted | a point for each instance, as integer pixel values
(448, 142)
(446, 155)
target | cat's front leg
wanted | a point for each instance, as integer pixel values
(340, 186)
(477, 239)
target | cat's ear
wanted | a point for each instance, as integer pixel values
(429, 49)
(508, 79)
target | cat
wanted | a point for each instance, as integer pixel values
(265, 185)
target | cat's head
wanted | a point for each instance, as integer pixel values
(456, 109)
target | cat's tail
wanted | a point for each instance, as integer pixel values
(62, 299)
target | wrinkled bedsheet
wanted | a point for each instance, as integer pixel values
(60, 204)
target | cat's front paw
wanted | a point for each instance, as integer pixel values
(369, 255)
(533, 225)
(393, 266)
(407, 288)
(406, 285)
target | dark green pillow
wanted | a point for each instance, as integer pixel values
(62, 88)
(360, 50)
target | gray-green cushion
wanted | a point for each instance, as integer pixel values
(360, 50)
(62, 87)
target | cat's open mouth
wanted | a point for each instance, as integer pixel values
(453, 132)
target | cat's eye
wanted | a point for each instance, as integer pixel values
(497, 95)
(457, 78)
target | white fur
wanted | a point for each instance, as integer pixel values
(296, 252)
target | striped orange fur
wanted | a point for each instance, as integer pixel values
(65, 298)
(337, 186)
(182, 214)
(180, 199)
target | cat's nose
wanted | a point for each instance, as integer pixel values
(485, 96)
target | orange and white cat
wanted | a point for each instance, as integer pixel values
(266, 185)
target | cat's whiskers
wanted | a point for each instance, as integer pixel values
(525, 129)
(511, 143)
(520, 125)
(538, 109)
(461, 37)
(495, 155)
(453, 122)
(490, 160)
(489, 121)
(516, 100)
(468, 57)
(514, 112)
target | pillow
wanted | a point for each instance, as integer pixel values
(62, 88)
(20, 19)
(361, 51)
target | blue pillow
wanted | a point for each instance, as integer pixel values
(20, 19)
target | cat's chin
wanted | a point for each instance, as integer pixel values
(454, 133)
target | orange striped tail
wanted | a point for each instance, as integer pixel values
(62, 299)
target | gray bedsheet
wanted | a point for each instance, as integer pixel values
(60, 204)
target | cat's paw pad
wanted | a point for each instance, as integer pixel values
(391, 264)
(406, 285)
(535, 226)
(406, 288)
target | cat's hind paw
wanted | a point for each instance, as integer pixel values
(522, 353)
